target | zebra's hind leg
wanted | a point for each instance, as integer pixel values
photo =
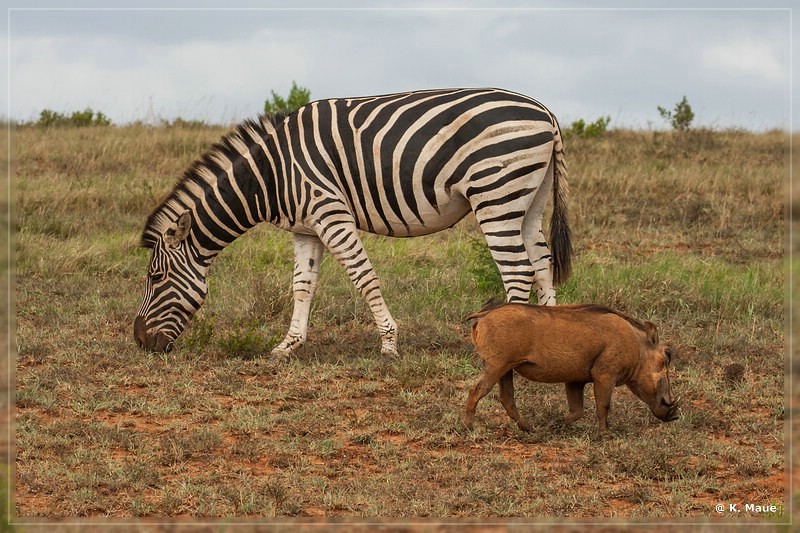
(342, 241)
(509, 253)
(542, 265)
(501, 207)
(538, 252)
(307, 258)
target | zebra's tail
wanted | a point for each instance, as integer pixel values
(560, 234)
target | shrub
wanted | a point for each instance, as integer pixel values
(49, 118)
(681, 117)
(298, 97)
(592, 129)
(199, 336)
(183, 123)
(245, 342)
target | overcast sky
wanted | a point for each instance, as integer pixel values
(219, 65)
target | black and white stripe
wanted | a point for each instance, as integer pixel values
(400, 165)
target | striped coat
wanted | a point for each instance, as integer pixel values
(400, 165)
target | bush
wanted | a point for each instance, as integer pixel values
(593, 129)
(49, 119)
(298, 97)
(183, 123)
(245, 342)
(198, 338)
(681, 117)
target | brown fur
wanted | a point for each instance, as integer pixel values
(575, 345)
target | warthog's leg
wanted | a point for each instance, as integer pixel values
(575, 401)
(489, 377)
(507, 399)
(602, 397)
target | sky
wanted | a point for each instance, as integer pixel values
(219, 65)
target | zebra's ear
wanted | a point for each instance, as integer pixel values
(179, 230)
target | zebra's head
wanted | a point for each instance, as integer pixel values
(174, 289)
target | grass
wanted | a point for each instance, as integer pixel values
(684, 230)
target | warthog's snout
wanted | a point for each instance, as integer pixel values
(668, 411)
(157, 343)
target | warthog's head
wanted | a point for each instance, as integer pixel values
(650, 382)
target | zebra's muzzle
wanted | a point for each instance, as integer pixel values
(157, 343)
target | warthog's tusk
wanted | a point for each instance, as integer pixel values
(672, 404)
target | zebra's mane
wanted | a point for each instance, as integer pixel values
(202, 172)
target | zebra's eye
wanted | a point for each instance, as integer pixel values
(157, 277)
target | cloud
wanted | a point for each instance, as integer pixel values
(220, 66)
(130, 79)
(747, 59)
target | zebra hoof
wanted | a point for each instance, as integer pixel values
(280, 354)
(389, 352)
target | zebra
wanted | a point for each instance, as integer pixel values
(400, 165)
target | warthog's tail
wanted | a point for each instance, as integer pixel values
(492, 303)
(560, 234)
(479, 314)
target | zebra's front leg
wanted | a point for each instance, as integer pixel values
(342, 241)
(307, 259)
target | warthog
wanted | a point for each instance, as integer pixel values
(575, 345)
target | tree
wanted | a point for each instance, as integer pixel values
(298, 97)
(681, 117)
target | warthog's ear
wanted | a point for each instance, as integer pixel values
(179, 230)
(651, 332)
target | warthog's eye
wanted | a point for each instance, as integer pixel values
(668, 354)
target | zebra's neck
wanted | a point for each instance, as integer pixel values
(229, 190)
